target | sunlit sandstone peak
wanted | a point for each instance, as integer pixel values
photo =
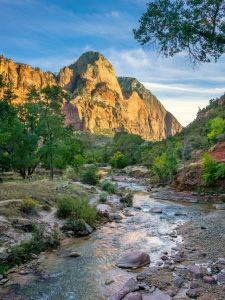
(97, 98)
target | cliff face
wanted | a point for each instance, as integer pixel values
(98, 98)
(24, 76)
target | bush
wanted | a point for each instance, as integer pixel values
(74, 225)
(220, 171)
(66, 208)
(103, 197)
(118, 160)
(91, 175)
(108, 186)
(28, 205)
(127, 199)
(78, 209)
(46, 207)
(39, 242)
(209, 169)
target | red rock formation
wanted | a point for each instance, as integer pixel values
(218, 152)
(97, 97)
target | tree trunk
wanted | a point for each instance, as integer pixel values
(23, 173)
(51, 166)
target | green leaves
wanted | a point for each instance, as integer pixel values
(195, 27)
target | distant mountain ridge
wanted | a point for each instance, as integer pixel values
(98, 99)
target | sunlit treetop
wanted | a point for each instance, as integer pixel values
(196, 27)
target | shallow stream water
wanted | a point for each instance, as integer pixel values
(84, 278)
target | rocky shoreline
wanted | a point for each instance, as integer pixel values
(194, 269)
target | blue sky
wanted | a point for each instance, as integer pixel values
(52, 34)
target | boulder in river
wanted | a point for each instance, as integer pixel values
(132, 285)
(134, 259)
(74, 254)
(133, 296)
(157, 210)
(120, 294)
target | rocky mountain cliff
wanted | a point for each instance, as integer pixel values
(97, 98)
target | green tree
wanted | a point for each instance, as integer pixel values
(118, 160)
(51, 124)
(217, 126)
(165, 166)
(196, 27)
(18, 144)
(209, 169)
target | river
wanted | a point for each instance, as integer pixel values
(84, 277)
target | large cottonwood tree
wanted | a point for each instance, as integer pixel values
(196, 27)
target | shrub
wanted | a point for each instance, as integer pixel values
(74, 225)
(209, 169)
(91, 175)
(108, 186)
(220, 171)
(103, 197)
(127, 199)
(46, 207)
(39, 242)
(66, 208)
(118, 160)
(78, 209)
(28, 205)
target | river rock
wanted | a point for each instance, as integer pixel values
(88, 228)
(171, 293)
(156, 210)
(34, 256)
(1, 276)
(192, 293)
(201, 254)
(74, 254)
(157, 295)
(209, 279)
(120, 294)
(132, 285)
(194, 285)
(143, 275)
(164, 257)
(117, 216)
(177, 258)
(134, 259)
(196, 272)
(215, 269)
(23, 272)
(221, 277)
(133, 296)
(178, 213)
(177, 281)
(128, 214)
